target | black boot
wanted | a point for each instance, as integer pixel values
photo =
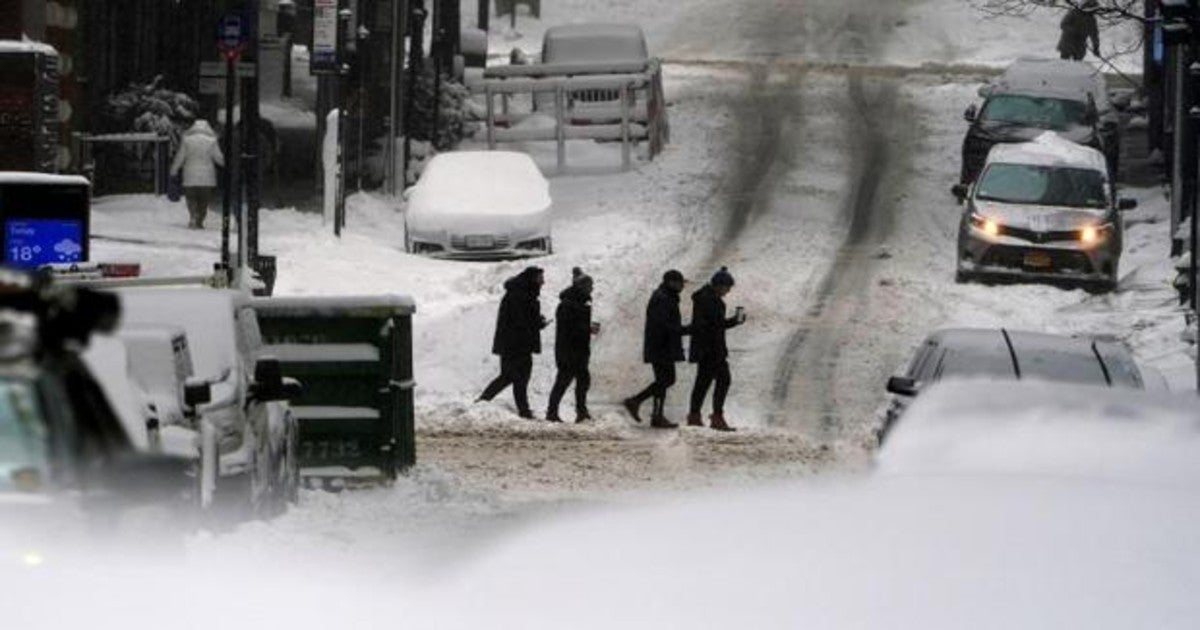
(658, 420)
(632, 405)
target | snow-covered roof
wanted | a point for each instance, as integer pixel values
(24, 177)
(1049, 149)
(483, 182)
(1051, 77)
(26, 46)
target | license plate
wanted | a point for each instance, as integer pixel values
(1037, 260)
(480, 242)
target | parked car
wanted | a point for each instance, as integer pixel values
(1008, 355)
(598, 49)
(1042, 210)
(255, 432)
(479, 204)
(1033, 96)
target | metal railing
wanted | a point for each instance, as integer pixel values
(613, 101)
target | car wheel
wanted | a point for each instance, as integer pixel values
(549, 245)
(962, 277)
(408, 246)
(293, 463)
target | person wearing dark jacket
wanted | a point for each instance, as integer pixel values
(662, 348)
(708, 349)
(1078, 26)
(518, 337)
(573, 346)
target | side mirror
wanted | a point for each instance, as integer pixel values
(902, 386)
(984, 90)
(518, 57)
(196, 393)
(1125, 203)
(959, 191)
(268, 380)
(971, 113)
(292, 389)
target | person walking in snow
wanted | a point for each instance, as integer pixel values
(708, 348)
(662, 348)
(518, 337)
(1078, 26)
(198, 157)
(573, 346)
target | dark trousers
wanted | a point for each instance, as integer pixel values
(198, 198)
(706, 373)
(664, 378)
(515, 370)
(577, 374)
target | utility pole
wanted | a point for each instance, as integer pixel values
(484, 15)
(248, 226)
(415, 62)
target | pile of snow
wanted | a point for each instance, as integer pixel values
(489, 183)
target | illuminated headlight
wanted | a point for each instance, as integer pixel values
(1095, 233)
(986, 225)
(32, 559)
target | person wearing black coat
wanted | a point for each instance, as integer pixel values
(518, 337)
(662, 348)
(1078, 27)
(708, 349)
(573, 346)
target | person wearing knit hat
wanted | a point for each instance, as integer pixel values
(662, 348)
(573, 346)
(709, 350)
(518, 337)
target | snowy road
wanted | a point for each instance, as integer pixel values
(813, 146)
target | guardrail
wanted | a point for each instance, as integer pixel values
(613, 101)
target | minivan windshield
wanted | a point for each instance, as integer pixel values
(1043, 185)
(1035, 111)
(23, 440)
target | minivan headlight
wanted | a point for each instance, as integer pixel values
(989, 226)
(1095, 233)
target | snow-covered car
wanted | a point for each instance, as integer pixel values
(248, 415)
(594, 46)
(1042, 210)
(1037, 95)
(479, 205)
(999, 354)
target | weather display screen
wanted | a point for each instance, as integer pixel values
(35, 242)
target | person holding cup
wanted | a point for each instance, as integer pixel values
(573, 346)
(708, 348)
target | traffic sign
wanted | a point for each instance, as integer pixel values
(231, 35)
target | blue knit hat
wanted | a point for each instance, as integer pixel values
(722, 278)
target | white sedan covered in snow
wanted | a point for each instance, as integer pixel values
(479, 204)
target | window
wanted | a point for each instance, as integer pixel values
(1034, 111)
(1043, 185)
(23, 437)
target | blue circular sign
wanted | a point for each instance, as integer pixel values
(231, 33)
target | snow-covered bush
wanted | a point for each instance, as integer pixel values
(149, 107)
(452, 112)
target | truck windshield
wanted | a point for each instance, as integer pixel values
(1035, 111)
(23, 440)
(1043, 186)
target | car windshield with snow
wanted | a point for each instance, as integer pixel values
(479, 205)
(1043, 210)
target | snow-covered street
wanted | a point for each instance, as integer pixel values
(813, 147)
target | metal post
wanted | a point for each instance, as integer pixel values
(560, 127)
(626, 161)
(491, 117)
(250, 126)
(231, 157)
(484, 15)
(415, 45)
(399, 24)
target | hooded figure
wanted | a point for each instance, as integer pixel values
(198, 158)
(708, 348)
(1078, 26)
(518, 337)
(662, 347)
(573, 346)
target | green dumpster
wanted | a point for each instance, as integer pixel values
(354, 357)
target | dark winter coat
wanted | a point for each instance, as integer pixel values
(708, 326)
(663, 338)
(1077, 28)
(519, 323)
(573, 334)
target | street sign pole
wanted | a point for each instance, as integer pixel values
(230, 41)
